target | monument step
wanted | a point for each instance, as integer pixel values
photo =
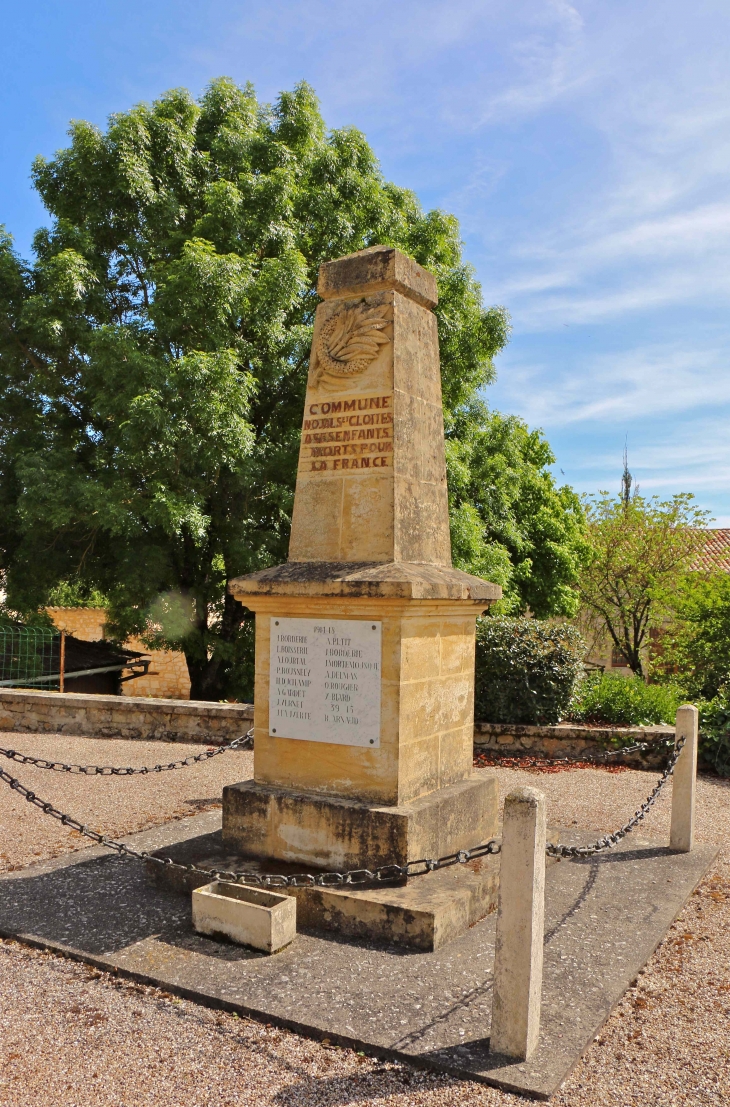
(423, 913)
(336, 833)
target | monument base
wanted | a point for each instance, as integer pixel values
(423, 913)
(329, 832)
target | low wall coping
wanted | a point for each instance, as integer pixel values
(574, 731)
(129, 704)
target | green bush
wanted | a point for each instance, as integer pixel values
(696, 643)
(715, 732)
(623, 701)
(526, 670)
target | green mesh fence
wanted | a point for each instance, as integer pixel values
(29, 657)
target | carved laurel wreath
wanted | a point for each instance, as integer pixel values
(351, 339)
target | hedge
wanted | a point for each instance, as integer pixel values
(526, 670)
(715, 732)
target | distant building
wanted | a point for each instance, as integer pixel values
(167, 677)
(715, 554)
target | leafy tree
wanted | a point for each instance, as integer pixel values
(696, 644)
(154, 356)
(640, 550)
(509, 522)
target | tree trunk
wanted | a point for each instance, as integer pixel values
(208, 675)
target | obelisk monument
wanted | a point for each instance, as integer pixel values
(365, 637)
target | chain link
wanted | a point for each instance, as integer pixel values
(558, 849)
(242, 743)
(383, 874)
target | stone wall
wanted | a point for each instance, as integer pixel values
(123, 717)
(144, 718)
(167, 677)
(567, 740)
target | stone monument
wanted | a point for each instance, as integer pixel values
(365, 638)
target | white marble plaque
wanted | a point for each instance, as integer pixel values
(324, 683)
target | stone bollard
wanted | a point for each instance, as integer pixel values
(685, 778)
(520, 926)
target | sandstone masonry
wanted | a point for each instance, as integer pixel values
(143, 719)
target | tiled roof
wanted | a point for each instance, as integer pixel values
(715, 554)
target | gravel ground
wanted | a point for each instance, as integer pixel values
(73, 1037)
(116, 805)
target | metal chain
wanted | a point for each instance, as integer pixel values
(353, 876)
(242, 743)
(268, 880)
(557, 849)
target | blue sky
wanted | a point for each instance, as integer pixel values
(585, 148)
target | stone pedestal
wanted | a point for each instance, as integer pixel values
(423, 913)
(365, 638)
(337, 834)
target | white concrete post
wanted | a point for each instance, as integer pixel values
(685, 777)
(520, 926)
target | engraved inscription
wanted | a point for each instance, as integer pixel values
(325, 681)
(348, 434)
(350, 340)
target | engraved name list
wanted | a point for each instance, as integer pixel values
(325, 680)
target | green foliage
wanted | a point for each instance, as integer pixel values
(639, 552)
(526, 670)
(714, 745)
(34, 619)
(75, 594)
(624, 701)
(154, 356)
(696, 644)
(509, 522)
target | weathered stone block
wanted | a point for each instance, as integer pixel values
(249, 916)
(421, 914)
(379, 267)
(329, 832)
(424, 914)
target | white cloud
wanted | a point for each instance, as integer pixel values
(686, 460)
(649, 382)
(644, 221)
(545, 51)
(663, 462)
(586, 148)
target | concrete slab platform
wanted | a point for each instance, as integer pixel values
(604, 918)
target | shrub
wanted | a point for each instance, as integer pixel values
(620, 700)
(715, 732)
(526, 670)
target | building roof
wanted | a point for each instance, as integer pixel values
(715, 554)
